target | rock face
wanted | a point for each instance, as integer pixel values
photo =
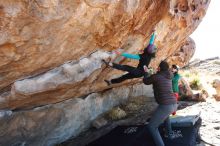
(216, 85)
(183, 55)
(52, 50)
(40, 35)
(52, 124)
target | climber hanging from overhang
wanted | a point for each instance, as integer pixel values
(141, 70)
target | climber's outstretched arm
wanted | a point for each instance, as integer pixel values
(131, 56)
(152, 38)
(136, 56)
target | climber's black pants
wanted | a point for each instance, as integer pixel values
(132, 73)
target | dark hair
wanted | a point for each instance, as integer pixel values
(164, 66)
(175, 67)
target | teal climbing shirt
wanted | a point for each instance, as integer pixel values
(175, 83)
(131, 56)
(152, 38)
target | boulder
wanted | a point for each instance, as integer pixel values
(216, 85)
(183, 55)
(51, 51)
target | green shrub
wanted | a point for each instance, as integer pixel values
(187, 75)
(117, 113)
(195, 84)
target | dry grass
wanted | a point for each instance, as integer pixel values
(116, 113)
(195, 84)
(193, 77)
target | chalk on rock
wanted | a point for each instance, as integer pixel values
(5, 113)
